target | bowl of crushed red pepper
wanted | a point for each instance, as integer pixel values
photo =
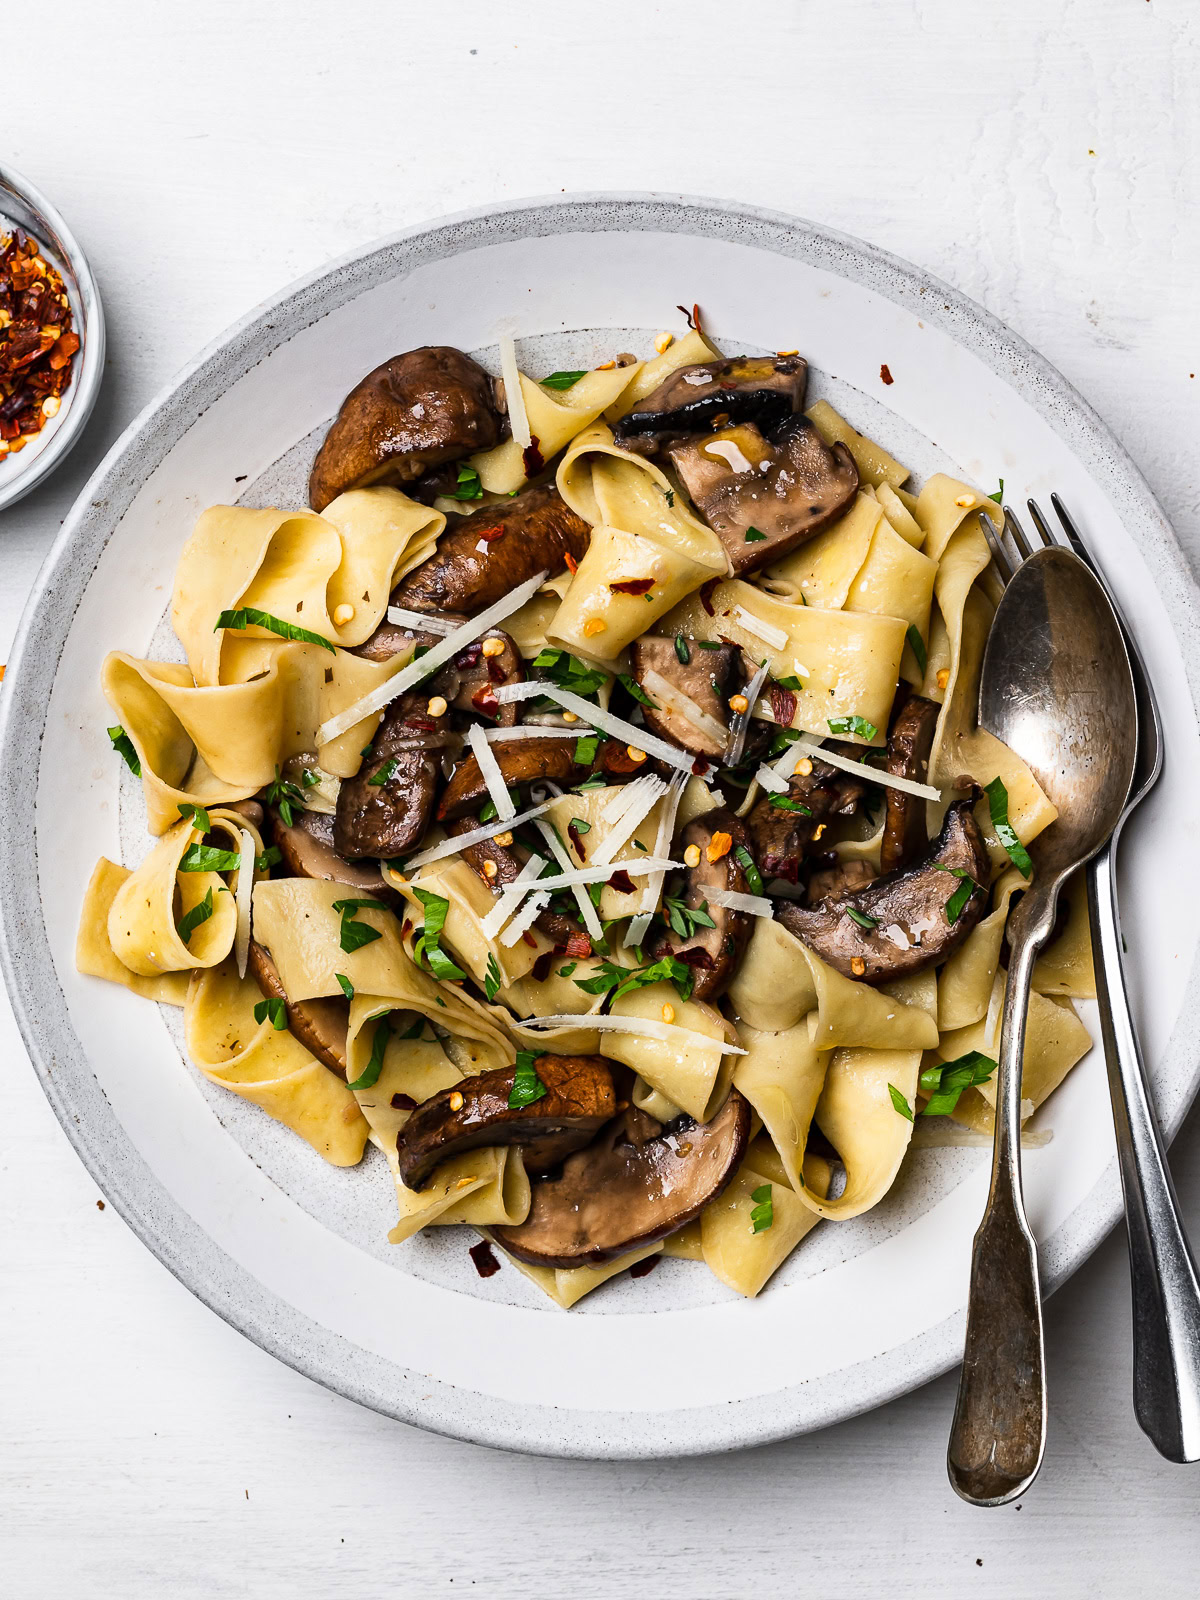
(51, 338)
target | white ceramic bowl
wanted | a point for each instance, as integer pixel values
(28, 208)
(294, 1253)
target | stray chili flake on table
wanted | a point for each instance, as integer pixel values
(37, 341)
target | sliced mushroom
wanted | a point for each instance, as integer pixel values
(636, 1184)
(836, 877)
(782, 835)
(903, 927)
(521, 762)
(910, 741)
(764, 495)
(706, 679)
(250, 809)
(394, 639)
(491, 553)
(307, 849)
(578, 1101)
(762, 389)
(386, 807)
(507, 861)
(414, 412)
(320, 1025)
(714, 954)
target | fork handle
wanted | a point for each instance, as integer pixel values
(1162, 1269)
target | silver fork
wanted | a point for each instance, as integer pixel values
(1165, 1284)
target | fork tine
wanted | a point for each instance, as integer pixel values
(1072, 532)
(1019, 537)
(1046, 532)
(1001, 559)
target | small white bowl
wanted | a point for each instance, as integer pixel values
(25, 207)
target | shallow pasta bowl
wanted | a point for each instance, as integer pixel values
(295, 1253)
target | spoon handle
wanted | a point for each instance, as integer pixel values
(999, 1429)
(1162, 1269)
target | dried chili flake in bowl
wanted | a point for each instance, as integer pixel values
(38, 342)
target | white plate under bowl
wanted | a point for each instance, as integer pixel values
(294, 1253)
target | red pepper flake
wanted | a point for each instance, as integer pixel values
(37, 341)
(573, 835)
(484, 1258)
(643, 1269)
(468, 657)
(423, 724)
(529, 939)
(706, 592)
(693, 317)
(531, 457)
(695, 957)
(540, 970)
(885, 374)
(783, 705)
(490, 535)
(699, 767)
(579, 945)
(497, 671)
(621, 882)
(484, 700)
(406, 928)
(632, 586)
(403, 1102)
(572, 564)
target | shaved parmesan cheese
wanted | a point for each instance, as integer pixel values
(516, 891)
(733, 900)
(646, 1026)
(635, 813)
(768, 778)
(618, 804)
(765, 631)
(991, 1030)
(517, 415)
(462, 841)
(673, 699)
(481, 547)
(662, 844)
(511, 896)
(245, 891)
(741, 721)
(786, 765)
(419, 621)
(523, 730)
(489, 769)
(384, 693)
(583, 900)
(637, 929)
(525, 918)
(639, 738)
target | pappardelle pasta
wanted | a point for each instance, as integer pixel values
(581, 801)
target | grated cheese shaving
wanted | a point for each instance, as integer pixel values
(808, 746)
(733, 900)
(462, 841)
(587, 910)
(646, 1026)
(640, 738)
(489, 769)
(637, 929)
(517, 416)
(511, 896)
(418, 620)
(662, 844)
(650, 790)
(525, 918)
(245, 892)
(766, 631)
(525, 730)
(741, 721)
(673, 699)
(384, 693)
(768, 778)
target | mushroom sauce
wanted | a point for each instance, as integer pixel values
(580, 800)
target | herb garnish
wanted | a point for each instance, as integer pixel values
(782, 803)
(568, 672)
(123, 745)
(900, 1103)
(861, 917)
(782, 739)
(273, 1008)
(562, 380)
(270, 857)
(709, 644)
(790, 682)
(489, 812)
(596, 781)
(198, 816)
(998, 497)
(586, 748)
(683, 921)
(285, 797)
(855, 724)
(633, 687)
(493, 979)
(998, 803)
(417, 1029)
(670, 494)
(370, 1073)
(763, 1214)
(207, 858)
(467, 484)
(958, 900)
(917, 645)
(252, 617)
(681, 649)
(565, 972)
(753, 876)
(527, 1086)
(192, 919)
(346, 986)
(385, 774)
(945, 1082)
(356, 934)
(436, 907)
(616, 981)
(754, 535)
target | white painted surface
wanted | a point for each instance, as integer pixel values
(207, 154)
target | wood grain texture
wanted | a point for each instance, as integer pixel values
(1040, 156)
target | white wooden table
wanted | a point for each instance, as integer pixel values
(1034, 154)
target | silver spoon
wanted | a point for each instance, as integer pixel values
(1057, 688)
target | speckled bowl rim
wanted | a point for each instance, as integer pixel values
(55, 1050)
(88, 376)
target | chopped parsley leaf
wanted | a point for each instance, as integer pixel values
(753, 876)
(594, 782)
(192, 919)
(946, 1081)
(207, 858)
(285, 797)
(568, 672)
(782, 803)
(900, 1103)
(763, 1214)
(917, 646)
(565, 972)
(562, 380)
(861, 917)
(346, 986)
(633, 687)
(681, 649)
(855, 724)
(273, 1008)
(709, 644)
(527, 1086)
(493, 978)
(683, 921)
(199, 817)
(123, 745)
(251, 617)
(791, 682)
(754, 536)
(467, 484)
(958, 900)
(436, 908)
(370, 1073)
(385, 774)
(586, 748)
(998, 804)
(270, 857)
(356, 934)
(998, 497)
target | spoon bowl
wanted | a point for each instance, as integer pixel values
(1057, 688)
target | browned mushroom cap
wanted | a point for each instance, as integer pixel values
(836, 877)
(784, 487)
(521, 762)
(910, 740)
(578, 1101)
(707, 678)
(714, 954)
(393, 639)
(507, 860)
(320, 1025)
(415, 411)
(762, 389)
(532, 533)
(637, 1183)
(782, 835)
(307, 849)
(386, 807)
(906, 927)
